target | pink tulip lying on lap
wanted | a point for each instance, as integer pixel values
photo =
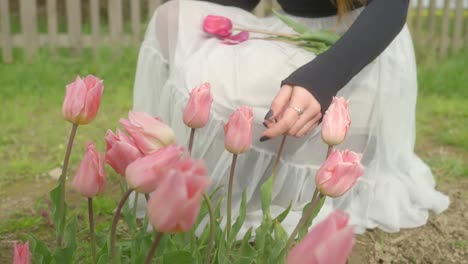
(339, 173)
(336, 122)
(144, 174)
(121, 151)
(237, 38)
(149, 133)
(21, 254)
(174, 205)
(238, 131)
(217, 25)
(90, 179)
(82, 100)
(329, 242)
(197, 110)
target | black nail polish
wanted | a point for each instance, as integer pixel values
(265, 125)
(268, 115)
(264, 138)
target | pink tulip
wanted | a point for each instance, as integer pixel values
(237, 38)
(121, 151)
(21, 253)
(82, 100)
(217, 25)
(238, 131)
(339, 173)
(336, 122)
(149, 133)
(144, 174)
(90, 179)
(197, 110)
(174, 205)
(330, 241)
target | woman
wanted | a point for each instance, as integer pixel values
(372, 65)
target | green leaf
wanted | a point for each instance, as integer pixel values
(283, 214)
(247, 252)
(55, 200)
(266, 192)
(240, 219)
(129, 217)
(298, 27)
(326, 37)
(40, 253)
(65, 254)
(303, 231)
(176, 257)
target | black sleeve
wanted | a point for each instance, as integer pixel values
(248, 5)
(374, 29)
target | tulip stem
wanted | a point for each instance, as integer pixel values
(330, 149)
(62, 182)
(305, 217)
(192, 138)
(266, 32)
(212, 228)
(229, 198)
(154, 246)
(91, 229)
(278, 157)
(115, 220)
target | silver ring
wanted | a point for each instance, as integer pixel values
(299, 111)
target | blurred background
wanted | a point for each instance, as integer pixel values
(46, 43)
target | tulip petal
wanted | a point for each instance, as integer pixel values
(237, 38)
(337, 248)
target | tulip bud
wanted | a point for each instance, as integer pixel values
(336, 122)
(21, 253)
(197, 110)
(90, 179)
(149, 133)
(82, 100)
(339, 173)
(175, 203)
(330, 241)
(238, 131)
(121, 151)
(144, 174)
(217, 25)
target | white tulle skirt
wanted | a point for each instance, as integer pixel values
(397, 189)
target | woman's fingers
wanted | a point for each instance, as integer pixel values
(308, 127)
(280, 102)
(303, 97)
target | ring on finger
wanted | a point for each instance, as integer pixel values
(300, 111)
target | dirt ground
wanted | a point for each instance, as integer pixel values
(444, 239)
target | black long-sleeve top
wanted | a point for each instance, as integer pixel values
(377, 25)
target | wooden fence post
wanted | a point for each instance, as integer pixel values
(52, 25)
(7, 50)
(95, 24)
(115, 23)
(444, 38)
(457, 30)
(28, 13)
(419, 19)
(73, 8)
(136, 21)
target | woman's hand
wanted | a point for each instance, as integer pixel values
(294, 112)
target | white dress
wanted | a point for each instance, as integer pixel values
(397, 189)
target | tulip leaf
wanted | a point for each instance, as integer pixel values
(180, 256)
(55, 201)
(266, 191)
(65, 254)
(296, 26)
(304, 230)
(240, 219)
(39, 250)
(280, 218)
(247, 252)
